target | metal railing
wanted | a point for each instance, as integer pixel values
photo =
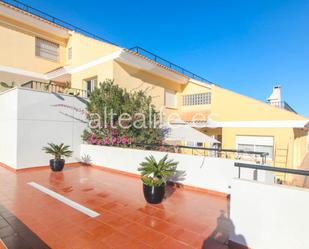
(52, 19)
(166, 63)
(282, 105)
(258, 157)
(298, 172)
(54, 88)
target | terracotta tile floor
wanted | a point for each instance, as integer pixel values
(186, 219)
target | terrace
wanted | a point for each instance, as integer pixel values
(186, 218)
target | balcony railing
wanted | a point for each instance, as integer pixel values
(282, 105)
(166, 63)
(298, 172)
(55, 88)
(253, 156)
(52, 19)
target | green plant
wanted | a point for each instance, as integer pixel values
(46, 87)
(109, 97)
(58, 150)
(6, 85)
(157, 173)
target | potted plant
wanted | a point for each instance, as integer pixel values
(57, 151)
(154, 176)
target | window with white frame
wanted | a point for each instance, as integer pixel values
(170, 98)
(90, 84)
(46, 49)
(256, 144)
(196, 99)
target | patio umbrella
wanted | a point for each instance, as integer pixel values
(184, 132)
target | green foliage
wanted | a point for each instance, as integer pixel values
(157, 173)
(110, 97)
(58, 150)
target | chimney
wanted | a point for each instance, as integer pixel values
(275, 97)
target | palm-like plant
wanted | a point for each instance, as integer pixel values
(58, 150)
(157, 173)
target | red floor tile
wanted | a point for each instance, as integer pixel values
(186, 219)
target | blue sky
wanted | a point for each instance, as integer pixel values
(245, 46)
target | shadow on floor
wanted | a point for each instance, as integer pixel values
(225, 229)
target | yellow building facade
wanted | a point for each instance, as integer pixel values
(36, 49)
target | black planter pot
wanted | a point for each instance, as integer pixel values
(154, 194)
(56, 164)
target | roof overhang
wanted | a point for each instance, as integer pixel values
(145, 64)
(304, 124)
(19, 15)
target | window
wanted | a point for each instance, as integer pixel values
(170, 98)
(46, 49)
(197, 99)
(246, 147)
(70, 53)
(90, 84)
(194, 144)
(265, 148)
(256, 144)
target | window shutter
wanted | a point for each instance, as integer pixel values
(170, 98)
(46, 49)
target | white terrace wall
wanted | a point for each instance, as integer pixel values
(39, 118)
(269, 216)
(203, 172)
(8, 128)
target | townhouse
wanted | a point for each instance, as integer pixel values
(38, 50)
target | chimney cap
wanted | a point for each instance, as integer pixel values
(276, 94)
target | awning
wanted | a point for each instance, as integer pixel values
(184, 132)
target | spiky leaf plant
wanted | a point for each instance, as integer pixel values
(58, 150)
(157, 173)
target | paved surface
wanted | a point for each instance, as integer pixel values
(14, 234)
(186, 219)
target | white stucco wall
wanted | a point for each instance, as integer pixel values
(204, 172)
(39, 118)
(269, 216)
(8, 128)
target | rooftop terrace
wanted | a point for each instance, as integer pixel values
(186, 219)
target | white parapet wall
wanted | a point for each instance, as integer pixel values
(8, 128)
(269, 216)
(197, 171)
(30, 119)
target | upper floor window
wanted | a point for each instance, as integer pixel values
(197, 99)
(170, 98)
(70, 53)
(46, 49)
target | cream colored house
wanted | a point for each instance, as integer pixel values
(35, 51)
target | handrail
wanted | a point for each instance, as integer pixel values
(52, 19)
(164, 62)
(274, 169)
(263, 155)
(204, 148)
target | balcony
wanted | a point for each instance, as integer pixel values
(55, 87)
